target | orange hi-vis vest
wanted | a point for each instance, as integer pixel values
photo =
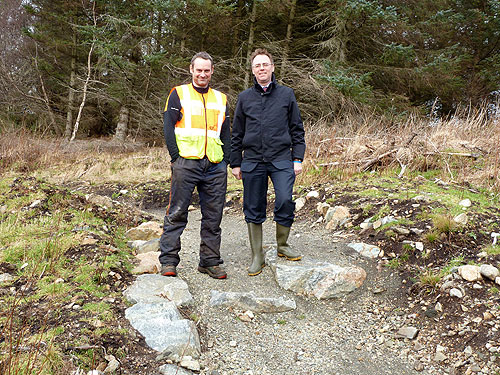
(198, 131)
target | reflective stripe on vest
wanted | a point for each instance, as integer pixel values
(198, 131)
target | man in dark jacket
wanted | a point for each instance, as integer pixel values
(267, 141)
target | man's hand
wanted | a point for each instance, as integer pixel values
(237, 172)
(297, 168)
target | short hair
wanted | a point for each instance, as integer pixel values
(261, 51)
(203, 55)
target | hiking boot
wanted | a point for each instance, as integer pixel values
(215, 272)
(168, 270)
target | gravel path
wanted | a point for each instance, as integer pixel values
(352, 335)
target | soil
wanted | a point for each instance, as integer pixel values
(400, 286)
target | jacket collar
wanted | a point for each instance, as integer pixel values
(270, 88)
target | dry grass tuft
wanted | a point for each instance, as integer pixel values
(463, 149)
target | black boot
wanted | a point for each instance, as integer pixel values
(284, 250)
(258, 261)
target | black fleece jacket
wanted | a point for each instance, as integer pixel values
(267, 126)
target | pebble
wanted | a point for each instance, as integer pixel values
(232, 343)
(454, 292)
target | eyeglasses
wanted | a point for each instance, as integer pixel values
(263, 65)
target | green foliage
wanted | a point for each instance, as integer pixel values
(350, 83)
(492, 249)
(453, 263)
(398, 55)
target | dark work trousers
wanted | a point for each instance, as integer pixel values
(210, 179)
(255, 182)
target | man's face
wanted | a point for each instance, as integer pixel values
(262, 69)
(201, 70)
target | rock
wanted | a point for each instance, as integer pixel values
(322, 208)
(233, 344)
(407, 333)
(439, 307)
(336, 216)
(461, 219)
(419, 246)
(431, 312)
(489, 271)
(149, 246)
(497, 280)
(454, 292)
(377, 224)
(417, 231)
(418, 366)
(249, 301)
(402, 231)
(439, 357)
(246, 316)
(5, 277)
(100, 200)
(314, 278)
(35, 203)
(495, 236)
(146, 231)
(487, 315)
(299, 203)
(157, 288)
(190, 363)
(312, 194)
(470, 272)
(366, 225)
(113, 364)
(465, 203)
(173, 370)
(366, 250)
(164, 330)
(148, 263)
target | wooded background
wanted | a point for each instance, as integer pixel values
(107, 66)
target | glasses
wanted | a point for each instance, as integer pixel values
(263, 65)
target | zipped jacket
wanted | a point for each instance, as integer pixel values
(267, 126)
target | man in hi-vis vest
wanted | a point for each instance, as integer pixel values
(197, 133)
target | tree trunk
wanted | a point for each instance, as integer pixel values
(122, 125)
(288, 38)
(84, 98)
(71, 93)
(250, 43)
(236, 28)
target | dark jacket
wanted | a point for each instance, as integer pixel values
(267, 126)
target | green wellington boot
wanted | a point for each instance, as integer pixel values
(258, 261)
(284, 250)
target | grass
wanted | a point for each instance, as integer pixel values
(492, 249)
(430, 278)
(444, 224)
(37, 241)
(453, 263)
